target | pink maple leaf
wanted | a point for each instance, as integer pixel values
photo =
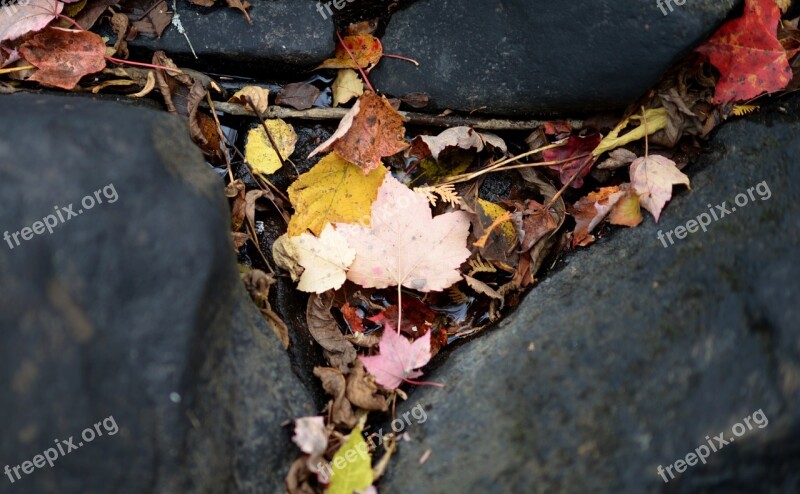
(398, 359)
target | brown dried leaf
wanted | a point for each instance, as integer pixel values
(362, 390)
(298, 95)
(334, 384)
(325, 330)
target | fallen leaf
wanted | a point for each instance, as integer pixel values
(63, 57)
(311, 435)
(258, 283)
(298, 95)
(259, 151)
(416, 100)
(627, 211)
(458, 137)
(652, 178)
(258, 95)
(335, 190)
(325, 330)
(366, 49)
(362, 391)
(371, 130)
(557, 127)
(398, 358)
(405, 244)
(578, 155)
(654, 120)
(533, 222)
(748, 55)
(182, 92)
(617, 159)
(355, 474)
(348, 85)
(324, 259)
(21, 18)
(334, 384)
(590, 210)
(151, 20)
(353, 318)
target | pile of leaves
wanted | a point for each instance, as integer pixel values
(402, 242)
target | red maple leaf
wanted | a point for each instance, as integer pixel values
(748, 55)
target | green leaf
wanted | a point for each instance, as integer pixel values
(351, 466)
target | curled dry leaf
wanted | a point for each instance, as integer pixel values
(362, 391)
(457, 137)
(63, 57)
(533, 222)
(325, 330)
(334, 384)
(371, 130)
(258, 284)
(617, 159)
(182, 92)
(652, 178)
(258, 95)
(590, 210)
(405, 244)
(311, 435)
(324, 259)
(335, 190)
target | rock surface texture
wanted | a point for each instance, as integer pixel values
(286, 35)
(130, 314)
(518, 57)
(633, 353)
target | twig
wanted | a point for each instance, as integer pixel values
(413, 118)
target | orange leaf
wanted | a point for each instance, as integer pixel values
(63, 57)
(748, 54)
(371, 130)
(366, 49)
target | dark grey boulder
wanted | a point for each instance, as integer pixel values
(129, 315)
(632, 353)
(285, 36)
(514, 57)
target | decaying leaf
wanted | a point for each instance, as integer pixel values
(398, 358)
(258, 284)
(365, 48)
(592, 209)
(333, 191)
(311, 435)
(63, 57)
(324, 259)
(259, 151)
(405, 244)
(371, 130)
(652, 178)
(325, 330)
(348, 85)
(362, 391)
(356, 473)
(748, 54)
(182, 92)
(298, 95)
(334, 384)
(577, 158)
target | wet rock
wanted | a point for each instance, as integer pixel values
(128, 314)
(631, 354)
(516, 57)
(286, 36)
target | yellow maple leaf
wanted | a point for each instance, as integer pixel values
(335, 190)
(259, 151)
(346, 87)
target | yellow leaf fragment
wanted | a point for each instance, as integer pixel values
(259, 96)
(259, 151)
(355, 474)
(346, 87)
